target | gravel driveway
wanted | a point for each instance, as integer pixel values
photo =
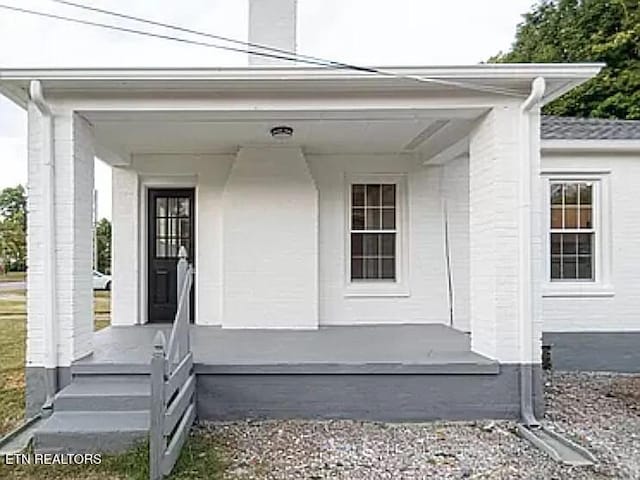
(600, 411)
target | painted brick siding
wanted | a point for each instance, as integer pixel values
(270, 241)
(125, 306)
(494, 172)
(74, 159)
(619, 308)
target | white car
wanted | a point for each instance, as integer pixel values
(101, 281)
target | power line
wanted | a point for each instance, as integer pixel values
(288, 53)
(178, 28)
(287, 56)
(148, 34)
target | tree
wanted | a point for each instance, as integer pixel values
(13, 228)
(103, 234)
(605, 31)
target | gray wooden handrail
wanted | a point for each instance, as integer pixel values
(173, 408)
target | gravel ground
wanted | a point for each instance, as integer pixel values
(599, 411)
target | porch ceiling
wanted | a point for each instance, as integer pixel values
(130, 133)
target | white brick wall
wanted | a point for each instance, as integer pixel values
(270, 241)
(74, 158)
(494, 164)
(619, 311)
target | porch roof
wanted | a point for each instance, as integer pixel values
(513, 79)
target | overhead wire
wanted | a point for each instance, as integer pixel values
(248, 47)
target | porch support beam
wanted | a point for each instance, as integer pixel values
(502, 166)
(68, 240)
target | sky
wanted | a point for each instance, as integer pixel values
(364, 32)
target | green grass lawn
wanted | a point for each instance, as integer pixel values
(13, 277)
(201, 457)
(12, 351)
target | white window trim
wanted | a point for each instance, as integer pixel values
(380, 288)
(600, 286)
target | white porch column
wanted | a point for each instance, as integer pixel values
(126, 292)
(504, 237)
(59, 250)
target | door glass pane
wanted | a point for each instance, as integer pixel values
(172, 206)
(161, 227)
(183, 207)
(161, 207)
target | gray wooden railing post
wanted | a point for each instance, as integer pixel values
(157, 440)
(183, 266)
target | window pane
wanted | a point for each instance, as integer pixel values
(571, 217)
(371, 244)
(556, 243)
(555, 267)
(585, 244)
(556, 217)
(569, 267)
(388, 219)
(356, 268)
(373, 219)
(357, 219)
(373, 196)
(371, 268)
(585, 270)
(357, 195)
(161, 207)
(571, 194)
(356, 244)
(388, 244)
(585, 194)
(585, 217)
(389, 195)
(388, 269)
(569, 244)
(556, 194)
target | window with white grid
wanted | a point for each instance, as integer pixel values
(573, 230)
(373, 219)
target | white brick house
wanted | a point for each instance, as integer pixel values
(394, 257)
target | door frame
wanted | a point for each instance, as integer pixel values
(169, 182)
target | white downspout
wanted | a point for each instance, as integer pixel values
(48, 186)
(526, 310)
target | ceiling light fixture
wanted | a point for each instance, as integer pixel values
(281, 132)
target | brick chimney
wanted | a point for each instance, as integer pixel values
(272, 23)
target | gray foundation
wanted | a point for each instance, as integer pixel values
(36, 379)
(379, 397)
(596, 351)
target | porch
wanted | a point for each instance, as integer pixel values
(376, 349)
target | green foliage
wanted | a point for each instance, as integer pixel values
(103, 234)
(605, 31)
(13, 229)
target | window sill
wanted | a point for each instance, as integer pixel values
(573, 290)
(376, 290)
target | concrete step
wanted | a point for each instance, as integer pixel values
(110, 368)
(100, 394)
(91, 432)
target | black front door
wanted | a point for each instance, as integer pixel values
(170, 226)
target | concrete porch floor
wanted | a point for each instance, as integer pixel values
(402, 348)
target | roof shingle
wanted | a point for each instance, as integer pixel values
(573, 128)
